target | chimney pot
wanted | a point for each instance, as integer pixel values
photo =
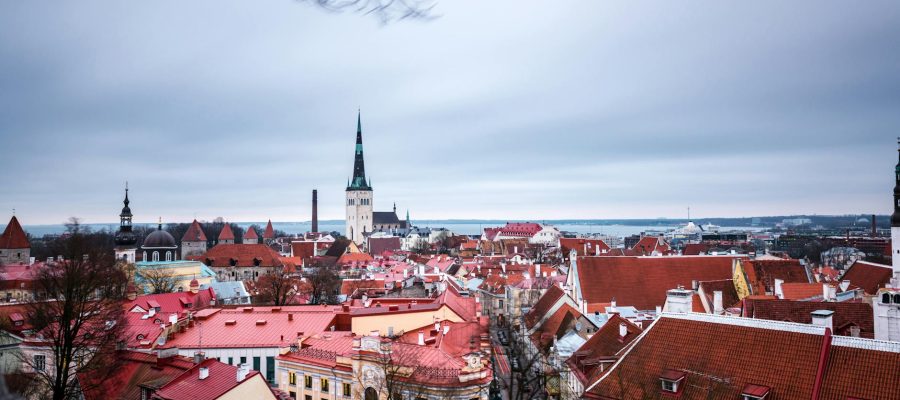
(717, 302)
(204, 373)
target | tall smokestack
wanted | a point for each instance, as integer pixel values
(874, 227)
(315, 210)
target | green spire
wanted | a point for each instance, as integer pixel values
(358, 121)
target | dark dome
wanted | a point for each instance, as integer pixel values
(159, 239)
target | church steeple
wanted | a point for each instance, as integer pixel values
(125, 237)
(895, 217)
(359, 168)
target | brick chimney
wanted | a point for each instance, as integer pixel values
(315, 211)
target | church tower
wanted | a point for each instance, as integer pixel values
(887, 301)
(359, 194)
(125, 237)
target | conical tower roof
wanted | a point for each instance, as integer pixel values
(14, 236)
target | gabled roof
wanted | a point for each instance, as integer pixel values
(721, 356)
(377, 246)
(243, 254)
(555, 326)
(649, 244)
(270, 232)
(13, 236)
(868, 276)
(221, 379)
(226, 233)
(251, 234)
(695, 249)
(194, 233)
(349, 258)
(583, 246)
(602, 346)
(761, 274)
(384, 218)
(135, 369)
(642, 282)
(543, 306)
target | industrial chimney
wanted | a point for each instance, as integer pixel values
(315, 212)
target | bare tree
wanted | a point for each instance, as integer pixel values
(323, 285)
(83, 324)
(385, 10)
(278, 288)
(159, 280)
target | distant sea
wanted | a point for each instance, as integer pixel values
(467, 227)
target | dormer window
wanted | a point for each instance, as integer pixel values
(754, 392)
(671, 381)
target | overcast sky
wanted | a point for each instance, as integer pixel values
(497, 109)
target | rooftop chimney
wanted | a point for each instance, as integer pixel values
(623, 330)
(829, 292)
(315, 211)
(679, 300)
(779, 293)
(421, 338)
(717, 302)
(823, 318)
(242, 372)
(204, 373)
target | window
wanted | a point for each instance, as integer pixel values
(346, 389)
(270, 369)
(145, 393)
(293, 395)
(671, 380)
(669, 386)
(307, 381)
(168, 256)
(256, 364)
(243, 360)
(40, 362)
(155, 256)
(307, 397)
(292, 379)
(324, 385)
(230, 360)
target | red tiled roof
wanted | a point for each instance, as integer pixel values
(243, 254)
(194, 233)
(846, 313)
(13, 236)
(720, 357)
(251, 234)
(712, 353)
(857, 373)
(270, 232)
(649, 244)
(227, 233)
(555, 326)
(377, 246)
(801, 291)
(349, 258)
(726, 286)
(584, 247)
(135, 369)
(603, 345)
(695, 249)
(221, 379)
(543, 306)
(761, 274)
(277, 330)
(642, 282)
(868, 276)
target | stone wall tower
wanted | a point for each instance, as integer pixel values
(359, 194)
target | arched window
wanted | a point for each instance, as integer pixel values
(168, 256)
(155, 256)
(371, 394)
(145, 256)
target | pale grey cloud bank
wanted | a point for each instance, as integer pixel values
(500, 109)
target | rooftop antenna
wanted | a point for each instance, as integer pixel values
(14, 212)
